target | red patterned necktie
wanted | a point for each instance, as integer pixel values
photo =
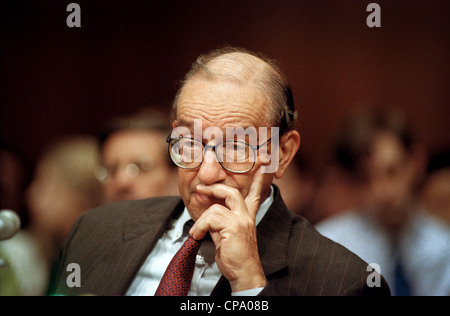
(176, 281)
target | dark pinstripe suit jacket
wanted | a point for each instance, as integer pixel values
(110, 244)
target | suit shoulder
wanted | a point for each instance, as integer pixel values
(331, 268)
(303, 229)
(132, 208)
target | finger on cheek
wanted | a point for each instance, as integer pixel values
(254, 196)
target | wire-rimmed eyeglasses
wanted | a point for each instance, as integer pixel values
(235, 156)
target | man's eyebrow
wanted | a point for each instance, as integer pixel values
(181, 122)
(189, 124)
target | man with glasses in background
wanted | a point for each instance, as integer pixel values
(233, 133)
(134, 161)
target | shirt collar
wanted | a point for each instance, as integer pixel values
(264, 207)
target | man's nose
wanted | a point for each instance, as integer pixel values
(122, 178)
(211, 171)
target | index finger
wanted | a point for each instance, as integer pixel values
(231, 196)
(253, 199)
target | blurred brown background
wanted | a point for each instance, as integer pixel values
(57, 80)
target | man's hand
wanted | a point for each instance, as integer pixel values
(232, 228)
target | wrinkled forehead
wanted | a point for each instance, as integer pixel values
(222, 104)
(250, 134)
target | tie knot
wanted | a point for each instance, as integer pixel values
(187, 227)
(189, 224)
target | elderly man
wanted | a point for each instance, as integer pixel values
(232, 134)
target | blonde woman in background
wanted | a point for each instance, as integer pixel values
(63, 187)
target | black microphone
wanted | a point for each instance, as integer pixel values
(9, 224)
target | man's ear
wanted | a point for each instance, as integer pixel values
(174, 124)
(289, 144)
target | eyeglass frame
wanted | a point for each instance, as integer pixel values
(103, 173)
(169, 140)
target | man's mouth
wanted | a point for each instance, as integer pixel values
(207, 199)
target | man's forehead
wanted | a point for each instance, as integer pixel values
(191, 123)
(249, 134)
(222, 104)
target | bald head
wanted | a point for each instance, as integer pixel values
(246, 69)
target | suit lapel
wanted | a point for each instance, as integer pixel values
(140, 235)
(273, 236)
(151, 221)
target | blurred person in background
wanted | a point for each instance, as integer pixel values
(298, 187)
(15, 176)
(390, 227)
(436, 190)
(135, 163)
(63, 187)
(336, 192)
(17, 250)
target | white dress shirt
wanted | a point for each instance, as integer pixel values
(206, 273)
